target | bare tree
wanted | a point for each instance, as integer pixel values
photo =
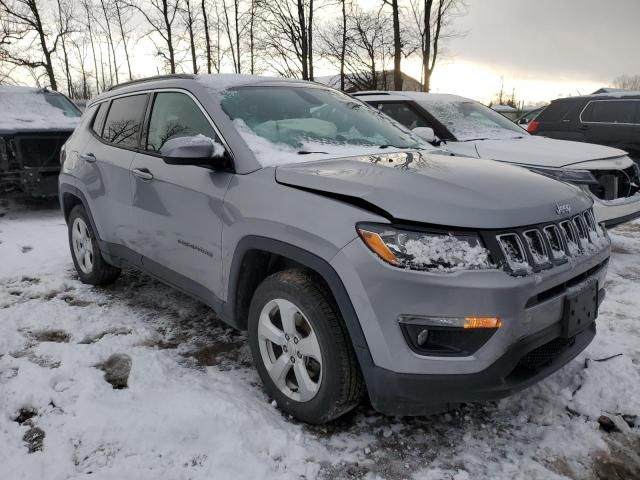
(88, 9)
(63, 15)
(627, 82)
(288, 36)
(122, 11)
(397, 43)
(432, 19)
(27, 18)
(161, 16)
(233, 30)
(190, 19)
(364, 52)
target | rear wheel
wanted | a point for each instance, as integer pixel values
(301, 348)
(92, 268)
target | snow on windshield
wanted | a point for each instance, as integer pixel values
(469, 120)
(292, 124)
(26, 108)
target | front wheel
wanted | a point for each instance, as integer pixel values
(92, 268)
(301, 348)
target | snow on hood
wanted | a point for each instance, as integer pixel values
(542, 151)
(437, 189)
(27, 109)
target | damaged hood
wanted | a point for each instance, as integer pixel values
(438, 189)
(542, 151)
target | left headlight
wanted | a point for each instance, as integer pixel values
(579, 177)
(431, 251)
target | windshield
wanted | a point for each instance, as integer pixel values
(62, 103)
(32, 109)
(469, 120)
(294, 124)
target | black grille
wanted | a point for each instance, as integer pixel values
(538, 248)
(613, 184)
(545, 355)
(35, 151)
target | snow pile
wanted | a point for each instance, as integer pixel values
(28, 108)
(446, 253)
(179, 419)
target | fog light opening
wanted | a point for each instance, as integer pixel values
(423, 336)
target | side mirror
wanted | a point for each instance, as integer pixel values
(426, 133)
(197, 150)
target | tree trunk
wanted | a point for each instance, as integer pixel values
(110, 40)
(207, 38)
(310, 41)
(124, 38)
(167, 23)
(192, 42)
(93, 48)
(237, 23)
(303, 40)
(45, 50)
(397, 46)
(343, 48)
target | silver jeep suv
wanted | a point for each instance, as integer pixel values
(359, 259)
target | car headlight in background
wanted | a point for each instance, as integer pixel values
(579, 177)
(441, 252)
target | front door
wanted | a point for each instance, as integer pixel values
(178, 208)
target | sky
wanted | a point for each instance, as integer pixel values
(543, 48)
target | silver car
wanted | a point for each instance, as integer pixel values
(360, 259)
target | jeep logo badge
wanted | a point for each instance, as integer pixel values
(563, 209)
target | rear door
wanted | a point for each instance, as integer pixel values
(105, 166)
(178, 208)
(612, 123)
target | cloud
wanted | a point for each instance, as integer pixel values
(588, 40)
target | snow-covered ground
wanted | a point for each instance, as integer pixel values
(194, 407)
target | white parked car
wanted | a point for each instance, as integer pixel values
(466, 127)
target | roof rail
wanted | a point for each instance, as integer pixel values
(184, 76)
(370, 92)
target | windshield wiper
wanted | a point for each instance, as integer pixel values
(307, 152)
(388, 145)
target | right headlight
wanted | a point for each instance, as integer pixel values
(431, 251)
(578, 177)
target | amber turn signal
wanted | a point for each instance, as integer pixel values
(375, 243)
(482, 322)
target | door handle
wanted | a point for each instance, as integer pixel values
(143, 173)
(88, 157)
(584, 127)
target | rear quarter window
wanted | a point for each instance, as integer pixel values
(555, 112)
(124, 120)
(98, 120)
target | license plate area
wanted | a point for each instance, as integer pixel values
(580, 308)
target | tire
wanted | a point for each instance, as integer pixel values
(91, 266)
(336, 384)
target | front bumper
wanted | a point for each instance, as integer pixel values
(406, 394)
(616, 212)
(401, 381)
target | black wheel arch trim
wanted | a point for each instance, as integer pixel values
(66, 189)
(313, 262)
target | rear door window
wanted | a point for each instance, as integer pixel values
(404, 114)
(124, 120)
(610, 111)
(176, 115)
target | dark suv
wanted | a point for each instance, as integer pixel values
(607, 119)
